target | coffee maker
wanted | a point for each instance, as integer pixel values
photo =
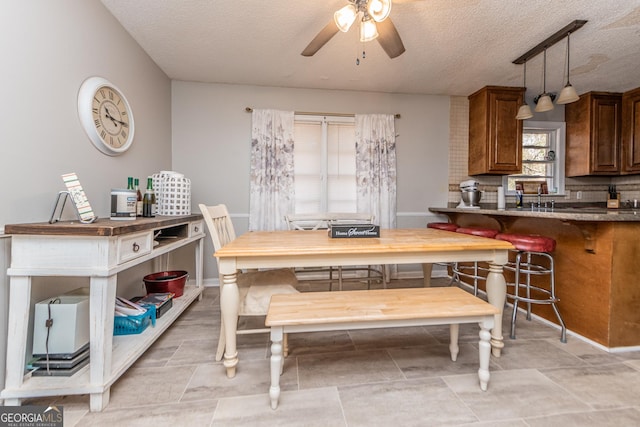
(469, 194)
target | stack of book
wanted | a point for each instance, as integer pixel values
(162, 301)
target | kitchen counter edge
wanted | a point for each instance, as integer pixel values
(599, 215)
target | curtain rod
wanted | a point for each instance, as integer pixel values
(307, 113)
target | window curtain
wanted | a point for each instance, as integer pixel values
(376, 167)
(272, 194)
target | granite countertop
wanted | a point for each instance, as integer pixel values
(573, 212)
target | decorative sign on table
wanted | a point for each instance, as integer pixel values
(354, 230)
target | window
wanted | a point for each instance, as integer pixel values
(542, 157)
(325, 165)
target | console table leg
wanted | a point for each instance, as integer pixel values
(102, 297)
(17, 327)
(98, 401)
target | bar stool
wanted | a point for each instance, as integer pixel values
(446, 226)
(476, 269)
(531, 251)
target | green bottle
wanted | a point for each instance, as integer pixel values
(149, 200)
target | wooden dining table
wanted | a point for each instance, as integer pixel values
(276, 249)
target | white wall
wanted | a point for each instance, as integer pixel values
(48, 49)
(211, 137)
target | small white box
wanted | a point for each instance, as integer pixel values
(69, 331)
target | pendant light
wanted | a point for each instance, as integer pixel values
(568, 93)
(544, 101)
(524, 112)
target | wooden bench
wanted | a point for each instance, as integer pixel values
(382, 308)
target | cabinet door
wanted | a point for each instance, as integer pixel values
(631, 131)
(495, 136)
(505, 133)
(605, 134)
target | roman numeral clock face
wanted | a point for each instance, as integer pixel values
(106, 116)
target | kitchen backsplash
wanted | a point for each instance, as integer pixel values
(592, 189)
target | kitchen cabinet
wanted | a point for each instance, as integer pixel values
(594, 134)
(99, 251)
(495, 136)
(631, 132)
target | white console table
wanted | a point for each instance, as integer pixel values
(99, 251)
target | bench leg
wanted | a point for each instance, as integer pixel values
(276, 365)
(484, 347)
(453, 345)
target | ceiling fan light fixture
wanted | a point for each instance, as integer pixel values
(368, 30)
(345, 17)
(379, 10)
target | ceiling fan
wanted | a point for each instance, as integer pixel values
(375, 24)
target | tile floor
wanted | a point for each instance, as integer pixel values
(383, 377)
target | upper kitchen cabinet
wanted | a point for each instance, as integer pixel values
(495, 136)
(593, 134)
(631, 132)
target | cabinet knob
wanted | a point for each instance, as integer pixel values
(196, 229)
(136, 247)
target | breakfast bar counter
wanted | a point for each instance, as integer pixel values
(596, 259)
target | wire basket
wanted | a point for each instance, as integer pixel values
(173, 193)
(130, 325)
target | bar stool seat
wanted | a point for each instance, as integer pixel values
(531, 252)
(475, 271)
(446, 226)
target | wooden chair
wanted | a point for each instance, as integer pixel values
(255, 287)
(322, 221)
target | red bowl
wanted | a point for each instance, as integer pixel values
(166, 281)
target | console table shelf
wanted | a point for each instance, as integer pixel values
(99, 251)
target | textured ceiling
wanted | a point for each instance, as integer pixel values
(454, 47)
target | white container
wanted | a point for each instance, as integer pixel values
(501, 201)
(69, 331)
(123, 204)
(173, 193)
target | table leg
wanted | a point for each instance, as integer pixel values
(17, 327)
(496, 294)
(276, 365)
(454, 330)
(229, 303)
(426, 273)
(484, 348)
(199, 254)
(102, 297)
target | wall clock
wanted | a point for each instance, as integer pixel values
(106, 116)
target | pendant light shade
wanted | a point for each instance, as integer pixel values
(345, 17)
(544, 102)
(524, 112)
(568, 93)
(379, 10)
(368, 30)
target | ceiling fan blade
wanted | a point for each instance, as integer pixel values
(389, 38)
(321, 39)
